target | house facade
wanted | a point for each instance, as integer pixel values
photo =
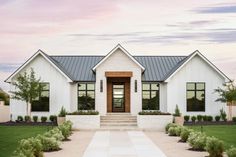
(120, 82)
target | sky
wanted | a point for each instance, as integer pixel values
(94, 27)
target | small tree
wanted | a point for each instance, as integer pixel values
(28, 88)
(227, 94)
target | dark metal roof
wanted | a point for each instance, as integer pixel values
(157, 68)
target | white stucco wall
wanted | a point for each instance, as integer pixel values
(60, 89)
(118, 61)
(196, 70)
(163, 97)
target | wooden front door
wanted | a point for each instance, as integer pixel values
(118, 97)
(118, 94)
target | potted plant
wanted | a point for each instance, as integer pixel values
(178, 119)
(61, 118)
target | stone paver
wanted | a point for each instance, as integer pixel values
(171, 147)
(75, 147)
(122, 144)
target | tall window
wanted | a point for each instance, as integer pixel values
(150, 97)
(195, 96)
(86, 96)
(41, 103)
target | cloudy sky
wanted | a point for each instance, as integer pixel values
(150, 27)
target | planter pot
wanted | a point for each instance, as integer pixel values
(84, 122)
(154, 122)
(179, 120)
(61, 120)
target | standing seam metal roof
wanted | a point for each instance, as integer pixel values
(157, 68)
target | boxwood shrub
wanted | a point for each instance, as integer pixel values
(199, 118)
(20, 118)
(234, 119)
(204, 118)
(197, 141)
(49, 143)
(44, 119)
(209, 118)
(27, 118)
(217, 118)
(193, 118)
(186, 118)
(214, 147)
(35, 119)
(53, 118)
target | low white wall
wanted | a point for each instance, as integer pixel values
(4, 112)
(154, 122)
(81, 122)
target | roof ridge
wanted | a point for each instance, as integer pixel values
(104, 56)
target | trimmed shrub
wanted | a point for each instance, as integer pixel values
(172, 131)
(214, 147)
(35, 118)
(186, 118)
(204, 118)
(209, 118)
(217, 118)
(231, 152)
(44, 119)
(197, 141)
(62, 112)
(65, 129)
(234, 119)
(178, 130)
(193, 118)
(20, 118)
(55, 133)
(170, 125)
(27, 118)
(185, 134)
(144, 112)
(199, 118)
(49, 143)
(30, 147)
(177, 111)
(53, 118)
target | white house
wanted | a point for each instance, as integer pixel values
(120, 82)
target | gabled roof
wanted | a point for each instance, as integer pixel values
(114, 50)
(52, 62)
(187, 59)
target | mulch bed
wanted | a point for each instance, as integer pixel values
(210, 123)
(11, 123)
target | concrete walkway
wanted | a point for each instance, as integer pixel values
(122, 144)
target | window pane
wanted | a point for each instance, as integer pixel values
(146, 86)
(190, 100)
(118, 86)
(82, 93)
(90, 86)
(200, 86)
(155, 86)
(146, 95)
(45, 86)
(190, 86)
(82, 86)
(91, 94)
(45, 94)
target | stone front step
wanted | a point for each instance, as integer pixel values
(119, 128)
(119, 120)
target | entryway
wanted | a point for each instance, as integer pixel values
(118, 94)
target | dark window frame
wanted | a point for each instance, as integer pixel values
(195, 90)
(39, 98)
(150, 93)
(86, 90)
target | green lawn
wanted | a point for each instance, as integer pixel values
(10, 135)
(226, 133)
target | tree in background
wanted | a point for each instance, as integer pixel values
(227, 94)
(28, 88)
(4, 97)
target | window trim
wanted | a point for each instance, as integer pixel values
(49, 89)
(86, 91)
(195, 93)
(150, 92)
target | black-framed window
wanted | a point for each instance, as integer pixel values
(150, 96)
(195, 96)
(41, 103)
(86, 96)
